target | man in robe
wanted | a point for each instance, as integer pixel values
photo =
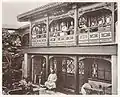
(51, 82)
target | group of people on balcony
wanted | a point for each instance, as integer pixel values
(62, 29)
(66, 27)
(93, 23)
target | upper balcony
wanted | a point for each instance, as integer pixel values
(75, 26)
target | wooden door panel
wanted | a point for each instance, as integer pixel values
(70, 81)
(81, 81)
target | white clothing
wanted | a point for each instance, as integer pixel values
(50, 83)
(86, 85)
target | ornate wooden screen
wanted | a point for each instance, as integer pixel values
(61, 30)
(95, 25)
(39, 33)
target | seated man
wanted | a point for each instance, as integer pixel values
(83, 91)
(23, 85)
(51, 82)
(23, 82)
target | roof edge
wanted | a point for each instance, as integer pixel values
(39, 9)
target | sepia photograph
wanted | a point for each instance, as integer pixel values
(59, 48)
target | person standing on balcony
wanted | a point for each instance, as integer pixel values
(71, 31)
(64, 29)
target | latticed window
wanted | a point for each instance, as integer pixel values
(39, 31)
(81, 67)
(53, 64)
(70, 66)
(94, 70)
(44, 63)
(101, 70)
(64, 65)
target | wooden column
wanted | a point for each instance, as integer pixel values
(113, 22)
(76, 76)
(47, 66)
(25, 65)
(114, 74)
(30, 34)
(30, 70)
(32, 63)
(47, 30)
(76, 23)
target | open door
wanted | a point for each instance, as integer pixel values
(39, 63)
(65, 69)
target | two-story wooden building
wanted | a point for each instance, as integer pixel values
(78, 40)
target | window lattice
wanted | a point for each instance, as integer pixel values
(70, 66)
(94, 70)
(81, 67)
(63, 65)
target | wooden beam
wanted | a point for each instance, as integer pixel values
(91, 50)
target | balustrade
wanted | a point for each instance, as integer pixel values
(103, 34)
(67, 40)
(92, 27)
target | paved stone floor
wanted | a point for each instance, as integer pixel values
(47, 92)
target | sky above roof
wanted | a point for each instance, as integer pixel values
(10, 11)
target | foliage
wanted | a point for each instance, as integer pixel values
(12, 57)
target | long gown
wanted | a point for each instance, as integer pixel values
(51, 82)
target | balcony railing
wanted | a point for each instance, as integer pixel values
(39, 42)
(89, 35)
(65, 40)
(95, 35)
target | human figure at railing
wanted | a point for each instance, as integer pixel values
(108, 19)
(101, 21)
(40, 31)
(51, 29)
(71, 28)
(55, 29)
(64, 29)
(93, 22)
(82, 28)
(44, 29)
(55, 32)
(94, 25)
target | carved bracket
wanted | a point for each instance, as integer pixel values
(97, 57)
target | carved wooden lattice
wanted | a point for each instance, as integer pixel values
(54, 64)
(94, 70)
(70, 66)
(64, 65)
(81, 67)
(39, 33)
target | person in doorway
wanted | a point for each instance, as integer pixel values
(51, 82)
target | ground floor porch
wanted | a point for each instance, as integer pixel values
(74, 66)
(73, 70)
